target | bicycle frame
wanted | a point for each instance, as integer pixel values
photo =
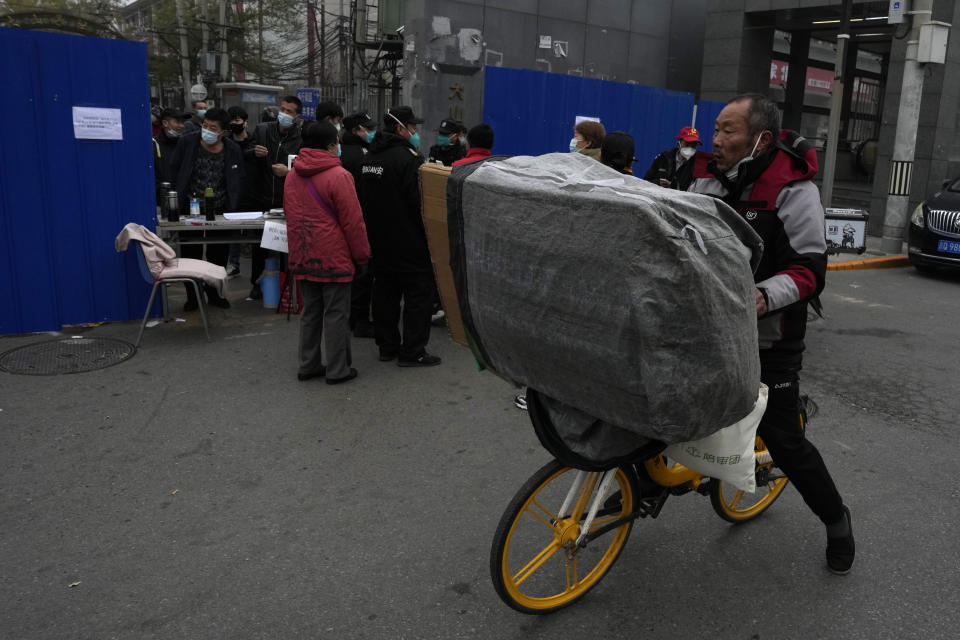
(667, 476)
(673, 475)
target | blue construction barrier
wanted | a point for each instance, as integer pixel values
(533, 112)
(63, 199)
(707, 112)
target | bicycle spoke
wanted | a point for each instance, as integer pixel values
(549, 522)
(571, 573)
(602, 521)
(737, 497)
(536, 563)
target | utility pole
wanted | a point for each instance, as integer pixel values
(836, 106)
(905, 139)
(184, 56)
(342, 47)
(260, 34)
(311, 45)
(204, 36)
(355, 104)
(224, 56)
(323, 42)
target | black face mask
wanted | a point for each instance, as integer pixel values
(237, 128)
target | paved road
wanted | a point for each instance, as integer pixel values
(200, 491)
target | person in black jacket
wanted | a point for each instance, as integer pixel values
(270, 158)
(208, 159)
(390, 197)
(358, 131)
(449, 147)
(673, 168)
(171, 123)
(240, 135)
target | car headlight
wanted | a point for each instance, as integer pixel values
(917, 218)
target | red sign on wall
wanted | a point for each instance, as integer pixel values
(818, 80)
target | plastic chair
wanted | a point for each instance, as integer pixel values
(156, 282)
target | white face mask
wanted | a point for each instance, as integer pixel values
(573, 145)
(687, 152)
(735, 169)
(173, 133)
(337, 125)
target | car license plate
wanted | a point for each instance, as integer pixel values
(948, 246)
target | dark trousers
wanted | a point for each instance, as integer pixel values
(416, 290)
(257, 260)
(792, 452)
(361, 293)
(325, 320)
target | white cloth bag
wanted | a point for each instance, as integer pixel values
(727, 454)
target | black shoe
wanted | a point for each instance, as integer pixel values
(350, 376)
(841, 550)
(191, 305)
(316, 374)
(363, 330)
(255, 293)
(218, 301)
(387, 356)
(423, 360)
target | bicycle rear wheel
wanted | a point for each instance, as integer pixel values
(535, 562)
(734, 505)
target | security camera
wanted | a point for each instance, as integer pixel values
(400, 30)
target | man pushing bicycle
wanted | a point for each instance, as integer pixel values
(767, 175)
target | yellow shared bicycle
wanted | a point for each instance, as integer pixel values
(565, 528)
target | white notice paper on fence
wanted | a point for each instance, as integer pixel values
(94, 123)
(274, 236)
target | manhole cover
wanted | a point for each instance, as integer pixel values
(66, 355)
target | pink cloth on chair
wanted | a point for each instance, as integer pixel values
(162, 260)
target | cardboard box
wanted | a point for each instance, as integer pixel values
(433, 199)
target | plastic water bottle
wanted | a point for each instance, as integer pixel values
(194, 207)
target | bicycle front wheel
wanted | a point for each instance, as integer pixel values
(535, 562)
(734, 505)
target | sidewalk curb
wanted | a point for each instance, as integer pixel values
(886, 262)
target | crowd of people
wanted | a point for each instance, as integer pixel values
(352, 202)
(359, 253)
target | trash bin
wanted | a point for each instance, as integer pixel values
(846, 230)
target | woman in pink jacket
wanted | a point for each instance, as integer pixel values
(327, 241)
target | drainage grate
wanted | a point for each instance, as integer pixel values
(66, 355)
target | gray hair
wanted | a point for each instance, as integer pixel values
(762, 114)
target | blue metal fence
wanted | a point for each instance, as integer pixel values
(63, 200)
(707, 113)
(533, 112)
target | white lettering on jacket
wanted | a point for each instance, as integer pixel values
(371, 169)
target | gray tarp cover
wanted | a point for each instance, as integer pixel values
(629, 304)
